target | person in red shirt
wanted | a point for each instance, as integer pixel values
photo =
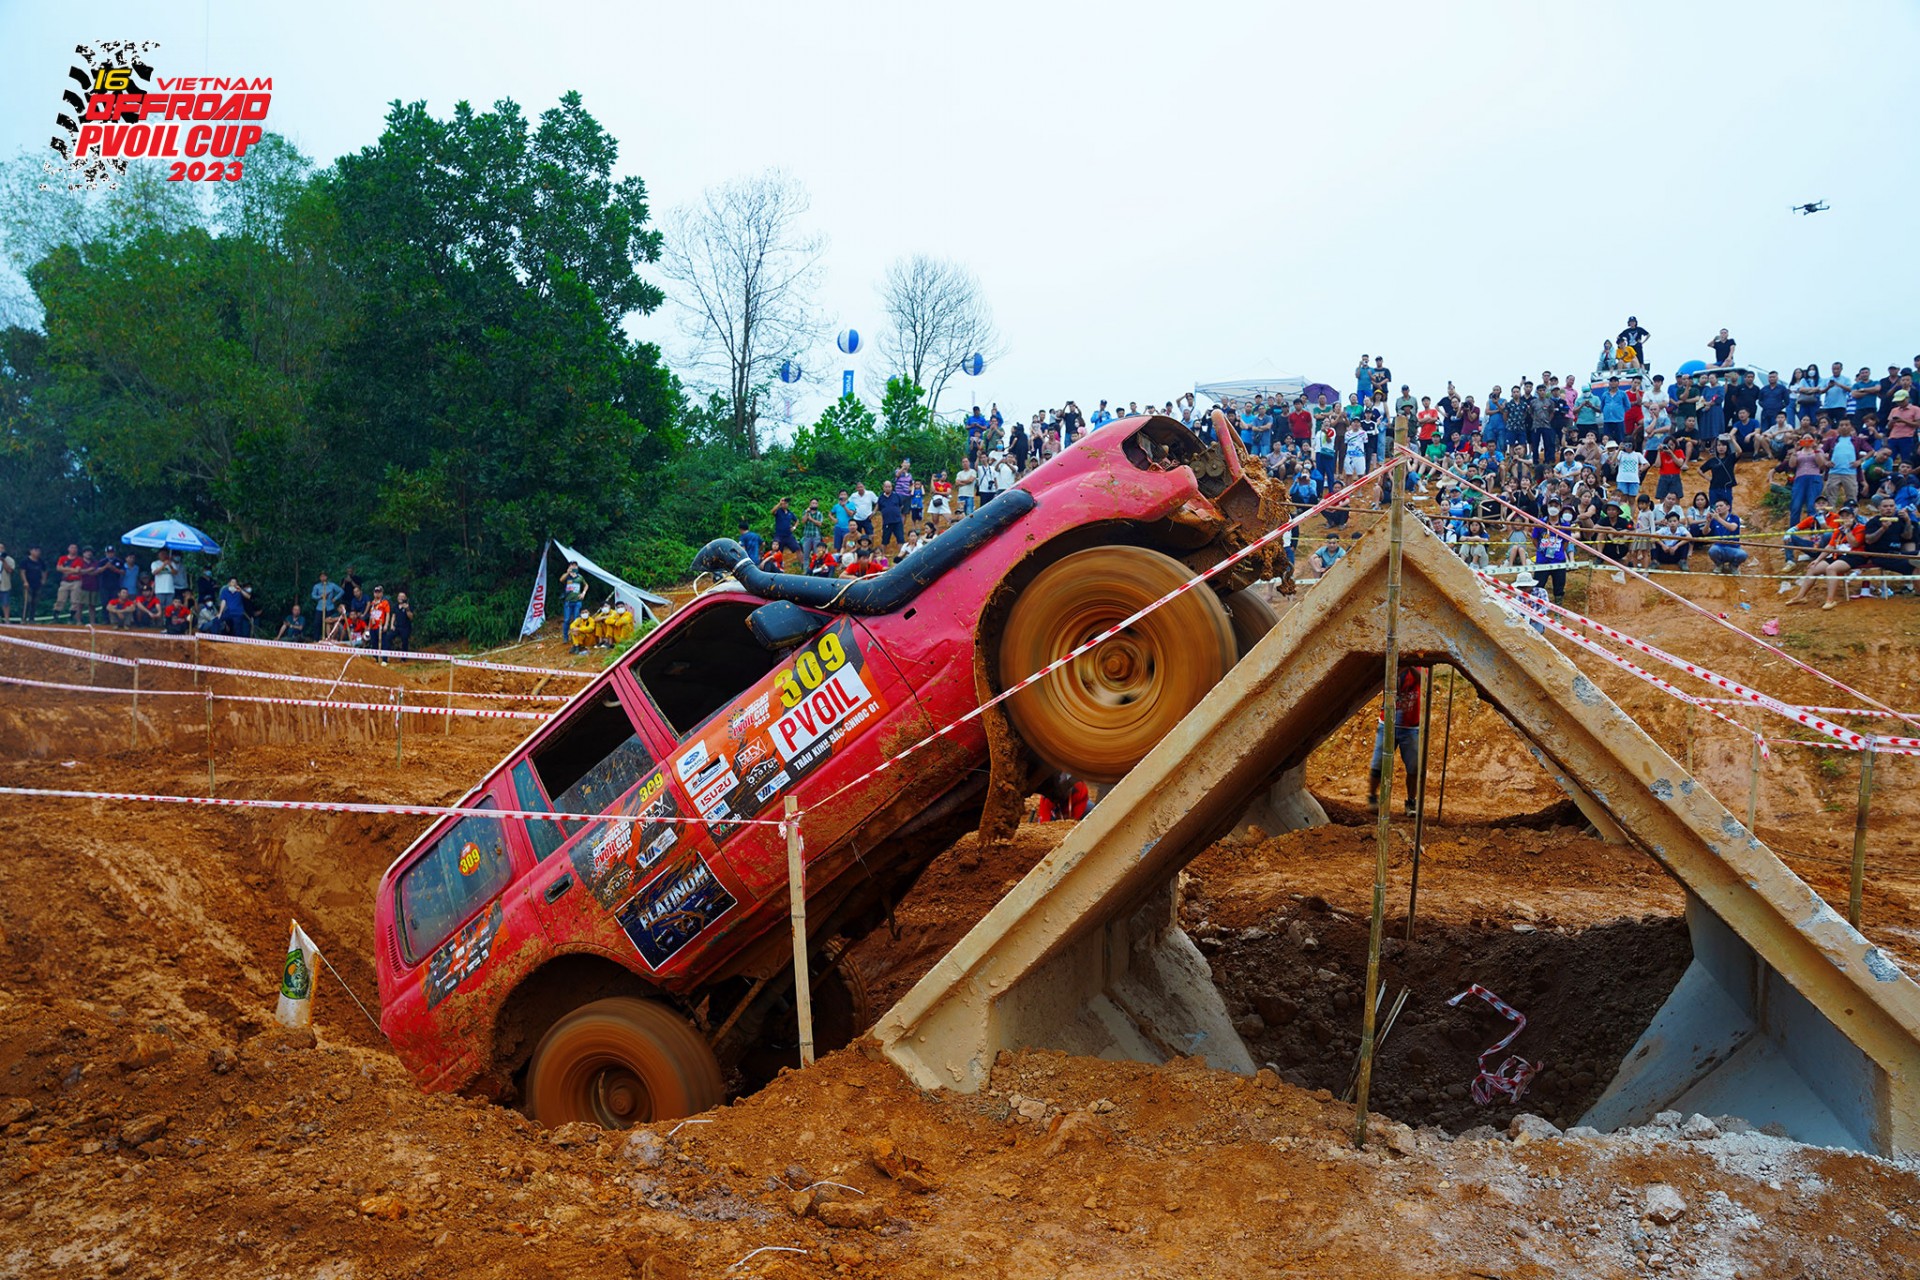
(824, 563)
(179, 614)
(146, 609)
(66, 599)
(1063, 798)
(1406, 738)
(863, 565)
(91, 572)
(120, 611)
(1672, 463)
(379, 616)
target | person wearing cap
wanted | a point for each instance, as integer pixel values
(1529, 586)
(1903, 420)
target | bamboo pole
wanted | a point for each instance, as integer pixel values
(451, 668)
(209, 742)
(1383, 825)
(133, 737)
(399, 729)
(1858, 880)
(1420, 802)
(93, 644)
(1446, 745)
(1753, 785)
(797, 910)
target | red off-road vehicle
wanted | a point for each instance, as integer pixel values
(615, 970)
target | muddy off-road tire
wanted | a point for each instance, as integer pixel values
(1098, 715)
(620, 1062)
(1252, 617)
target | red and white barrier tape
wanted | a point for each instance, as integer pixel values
(1432, 467)
(403, 655)
(1333, 499)
(1529, 606)
(318, 646)
(1799, 715)
(245, 673)
(408, 708)
(66, 652)
(1832, 711)
(1511, 1078)
(348, 806)
(1879, 746)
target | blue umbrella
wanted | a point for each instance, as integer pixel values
(1691, 367)
(171, 534)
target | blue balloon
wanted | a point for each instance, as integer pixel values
(789, 371)
(973, 364)
(849, 340)
(1691, 367)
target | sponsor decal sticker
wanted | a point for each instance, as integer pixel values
(463, 955)
(673, 909)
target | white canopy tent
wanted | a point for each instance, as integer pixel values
(637, 599)
(1246, 389)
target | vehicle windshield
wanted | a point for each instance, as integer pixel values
(705, 663)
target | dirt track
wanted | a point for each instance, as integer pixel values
(155, 1123)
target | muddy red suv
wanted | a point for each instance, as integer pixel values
(616, 970)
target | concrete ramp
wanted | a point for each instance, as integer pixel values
(1787, 1015)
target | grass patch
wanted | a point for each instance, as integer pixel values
(1830, 765)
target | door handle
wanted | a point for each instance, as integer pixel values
(559, 887)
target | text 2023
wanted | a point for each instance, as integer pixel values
(200, 171)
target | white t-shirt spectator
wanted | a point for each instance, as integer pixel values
(963, 482)
(1630, 464)
(163, 577)
(862, 503)
(1004, 476)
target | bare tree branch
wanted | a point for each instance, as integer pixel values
(936, 321)
(745, 272)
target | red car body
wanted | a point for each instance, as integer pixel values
(488, 930)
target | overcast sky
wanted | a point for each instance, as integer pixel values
(1155, 195)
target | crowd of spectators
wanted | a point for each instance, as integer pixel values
(126, 591)
(1622, 458)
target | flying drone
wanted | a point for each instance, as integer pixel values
(1816, 206)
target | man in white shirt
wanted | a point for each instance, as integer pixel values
(165, 575)
(965, 482)
(860, 506)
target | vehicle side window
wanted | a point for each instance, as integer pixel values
(544, 836)
(466, 868)
(596, 758)
(703, 665)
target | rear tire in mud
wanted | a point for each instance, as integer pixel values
(620, 1062)
(1098, 715)
(1252, 618)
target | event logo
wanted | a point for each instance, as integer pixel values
(119, 109)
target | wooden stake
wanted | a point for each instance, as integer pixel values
(1753, 785)
(1420, 802)
(133, 738)
(451, 668)
(797, 909)
(1446, 745)
(92, 646)
(1858, 881)
(1383, 826)
(209, 742)
(399, 701)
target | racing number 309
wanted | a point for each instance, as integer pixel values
(808, 672)
(200, 171)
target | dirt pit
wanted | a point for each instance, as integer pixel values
(1295, 985)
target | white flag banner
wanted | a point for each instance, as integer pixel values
(640, 601)
(537, 607)
(297, 979)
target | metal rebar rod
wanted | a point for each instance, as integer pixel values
(1446, 745)
(1420, 802)
(1858, 880)
(1383, 825)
